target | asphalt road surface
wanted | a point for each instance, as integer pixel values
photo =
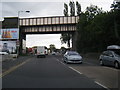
(106, 76)
(51, 72)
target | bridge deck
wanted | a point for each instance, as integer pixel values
(49, 20)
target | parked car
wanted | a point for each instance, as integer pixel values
(111, 58)
(113, 47)
(3, 53)
(53, 53)
(72, 57)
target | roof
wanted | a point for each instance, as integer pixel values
(113, 47)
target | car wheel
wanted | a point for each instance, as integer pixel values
(44, 56)
(116, 65)
(101, 62)
(66, 61)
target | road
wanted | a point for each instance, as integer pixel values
(106, 76)
(51, 72)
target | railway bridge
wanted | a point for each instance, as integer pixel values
(47, 25)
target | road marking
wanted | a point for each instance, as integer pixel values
(69, 67)
(13, 68)
(75, 70)
(102, 85)
(60, 61)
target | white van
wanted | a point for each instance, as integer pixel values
(41, 51)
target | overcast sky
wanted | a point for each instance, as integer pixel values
(44, 8)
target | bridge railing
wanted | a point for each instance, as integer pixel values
(49, 20)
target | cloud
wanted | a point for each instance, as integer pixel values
(34, 1)
(44, 40)
(37, 9)
(44, 8)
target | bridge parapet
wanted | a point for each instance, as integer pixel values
(38, 21)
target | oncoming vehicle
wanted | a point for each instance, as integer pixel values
(72, 57)
(111, 58)
(41, 51)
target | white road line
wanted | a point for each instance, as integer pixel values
(69, 66)
(75, 70)
(102, 85)
(60, 61)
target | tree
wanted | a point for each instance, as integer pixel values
(78, 6)
(65, 9)
(116, 10)
(66, 37)
(116, 5)
(72, 8)
(52, 47)
(87, 30)
(92, 11)
(96, 30)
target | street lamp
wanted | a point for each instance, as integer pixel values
(22, 11)
(19, 15)
(18, 41)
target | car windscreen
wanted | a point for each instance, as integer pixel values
(73, 53)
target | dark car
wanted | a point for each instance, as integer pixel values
(111, 58)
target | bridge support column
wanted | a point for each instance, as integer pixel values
(74, 39)
(22, 48)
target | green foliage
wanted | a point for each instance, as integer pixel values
(66, 37)
(72, 8)
(65, 9)
(92, 11)
(96, 30)
(52, 47)
(78, 6)
(115, 5)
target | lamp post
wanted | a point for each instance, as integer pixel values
(19, 15)
(19, 39)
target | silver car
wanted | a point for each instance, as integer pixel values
(72, 57)
(3, 53)
(111, 58)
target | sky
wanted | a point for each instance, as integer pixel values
(44, 8)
